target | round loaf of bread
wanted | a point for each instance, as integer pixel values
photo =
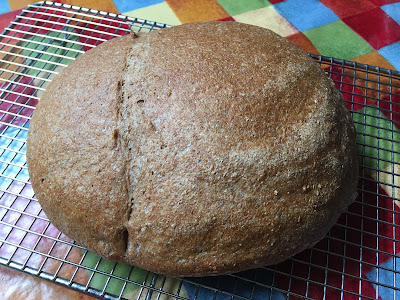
(205, 148)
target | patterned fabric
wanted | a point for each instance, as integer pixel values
(364, 31)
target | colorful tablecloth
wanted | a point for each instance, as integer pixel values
(365, 31)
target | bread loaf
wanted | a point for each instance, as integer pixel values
(206, 148)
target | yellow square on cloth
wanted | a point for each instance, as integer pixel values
(267, 17)
(160, 12)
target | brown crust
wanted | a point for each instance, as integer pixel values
(205, 148)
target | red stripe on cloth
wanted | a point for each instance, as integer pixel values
(11, 101)
(375, 26)
(43, 18)
(354, 97)
(346, 8)
(91, 34)
(227, 19)
(390, 107)
(7, 18)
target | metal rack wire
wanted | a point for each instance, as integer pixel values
(357, 258)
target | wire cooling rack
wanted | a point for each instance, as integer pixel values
(357, 259)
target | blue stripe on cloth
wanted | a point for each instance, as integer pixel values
(124, 6)
(393, 10)
(4, 7)
(391, 54)
(387, 276)
(235, 285)
(306, 14)
(7, 141)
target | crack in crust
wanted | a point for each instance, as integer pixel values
(124, 149)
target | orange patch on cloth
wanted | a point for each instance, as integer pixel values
(18, 4)
(386, 84)
(195, 11)
(300, 40)
(374, 59)
(105, 5)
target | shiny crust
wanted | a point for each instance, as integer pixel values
(205, 148)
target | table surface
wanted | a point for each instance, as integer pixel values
(363, 31)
